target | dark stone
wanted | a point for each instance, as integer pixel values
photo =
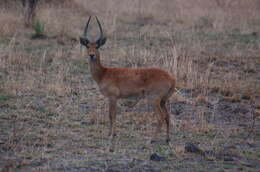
(36, 164)
(156, 157)
(190, 147)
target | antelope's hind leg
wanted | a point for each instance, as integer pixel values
(167, 120)
(160, 118)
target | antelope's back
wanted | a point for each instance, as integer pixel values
(139, 80)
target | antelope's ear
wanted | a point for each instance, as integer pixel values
(84, 41)
(101, 42)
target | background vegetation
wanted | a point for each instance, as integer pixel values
(53, 118)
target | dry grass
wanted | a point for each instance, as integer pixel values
(52, 116)
(10, 23)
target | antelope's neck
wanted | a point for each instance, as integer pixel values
(97, 69)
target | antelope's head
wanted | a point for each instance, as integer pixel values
(93, 46)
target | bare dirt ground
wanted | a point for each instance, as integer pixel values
(53, 117)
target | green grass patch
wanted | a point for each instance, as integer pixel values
(246, 38)
(4, 97)
(38, 28)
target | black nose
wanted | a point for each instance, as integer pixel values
(92, 56)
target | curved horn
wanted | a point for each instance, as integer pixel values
(100, 27)
(86, 28)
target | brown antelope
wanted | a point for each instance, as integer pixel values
(115, 83)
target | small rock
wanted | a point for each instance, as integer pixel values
(190, 147)
(36, 164)
(156, 157)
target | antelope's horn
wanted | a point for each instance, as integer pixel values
(100, 27)
(86, 28)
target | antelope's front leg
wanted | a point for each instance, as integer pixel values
(112, 116)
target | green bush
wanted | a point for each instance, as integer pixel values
(38, 29)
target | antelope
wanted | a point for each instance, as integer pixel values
(115, 83)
